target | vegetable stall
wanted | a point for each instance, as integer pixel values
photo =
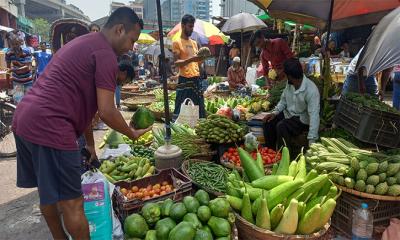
(229, 186)
(250, 191)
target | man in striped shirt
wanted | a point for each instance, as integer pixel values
(19, 61)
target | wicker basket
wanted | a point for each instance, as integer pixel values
(381, 210)
(368, 195)
(123, 207)
(172, 86)
(185, 171)
(138, 100)
(248, 231)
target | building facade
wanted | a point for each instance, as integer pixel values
(8, 14)
(233, 7)
(149, 10)
(137, 6)
(200, 9)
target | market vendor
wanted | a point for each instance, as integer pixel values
(80, 79)
(275, 51)
(186, 59)
(368, 84)
(297, 111)
(236, 75)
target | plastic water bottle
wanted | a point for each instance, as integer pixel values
(362, 227)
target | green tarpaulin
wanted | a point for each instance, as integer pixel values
(290, 23)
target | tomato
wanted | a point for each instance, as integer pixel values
(135, 189)
(146, 198)
(156, 186)
(139, 195)
(164, 183)
(163, 192)
(124, 191)
(149, 187)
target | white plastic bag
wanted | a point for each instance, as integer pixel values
(97, 193)
(251, 76)
(189, 113)
(250, 142)
(122, 150)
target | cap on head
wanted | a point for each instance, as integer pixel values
(236, 59)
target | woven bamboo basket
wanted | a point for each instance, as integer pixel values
(185, 171)
(248, 231)
(368, 195)
(139, 100)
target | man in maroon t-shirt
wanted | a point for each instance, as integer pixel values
(79, 80)
(276, 51)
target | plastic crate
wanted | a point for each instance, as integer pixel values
(368, 125)
(123, 207)
(382, 211)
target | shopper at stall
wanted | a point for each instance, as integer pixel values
(42, 58)
(297, 111)
(275, 51)
(345, 53)
(236, 75)
(80, 79)
(19, 61)
(125, 74)
(396, 87)
(368, 84)
(332, 51)
(186, 59)
(94, 27)
(234, 52)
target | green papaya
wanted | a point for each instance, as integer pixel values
(219, 226)
(151, 235)
(143, 118)
(203, 235)
(164, 227)
(182, 231)
(204, 213)
(193, 219)
(203, 197)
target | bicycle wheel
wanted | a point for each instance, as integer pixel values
(7, 140)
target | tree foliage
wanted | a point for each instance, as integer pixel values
(42, 28)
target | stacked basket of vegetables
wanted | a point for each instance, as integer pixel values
(290, 201)
(220, 129)
(194, 218)
(185, 138)
(207, 175)
(142, 151)
(126, 168)
(357, 169)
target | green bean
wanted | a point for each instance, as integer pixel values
(209, 175)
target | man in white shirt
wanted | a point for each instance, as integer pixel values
(297, 111)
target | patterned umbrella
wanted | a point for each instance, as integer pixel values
(345, 13)
(204, 33)
(145, 38)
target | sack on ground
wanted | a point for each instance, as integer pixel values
(189, 113)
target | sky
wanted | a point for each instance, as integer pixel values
(96, 9)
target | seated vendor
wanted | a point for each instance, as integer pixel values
(236, 75)
(297, 111)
